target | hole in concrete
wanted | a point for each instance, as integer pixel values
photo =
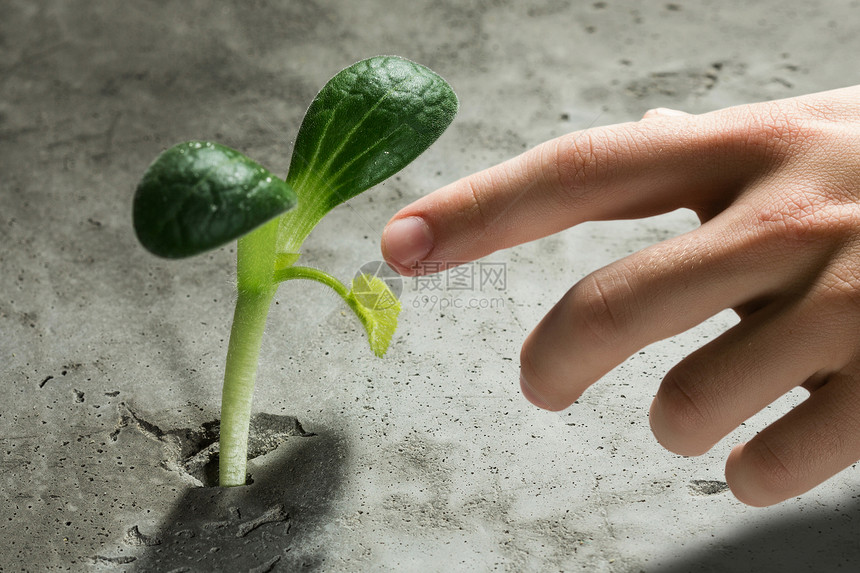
(193, 452)
(707, 487)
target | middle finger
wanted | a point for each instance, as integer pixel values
(655, 293)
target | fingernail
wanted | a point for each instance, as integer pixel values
(530, 394)
(668, 112)
(407, 241)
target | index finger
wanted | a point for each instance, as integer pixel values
(620, 171)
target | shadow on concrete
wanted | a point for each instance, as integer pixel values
(823, 540)
(271, 525)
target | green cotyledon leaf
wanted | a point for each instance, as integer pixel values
(367, 123)
(200, 195)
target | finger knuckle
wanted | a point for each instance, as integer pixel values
(575, 160)
(838, 292)
(795, 218)
(768, 468)
(477, 209)
(683, 403)
(600, 304)
(774, 129)
(810, 214)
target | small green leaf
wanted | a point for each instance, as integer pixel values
(377, 308)
(366, 124)
(200, 195)
(372, 301)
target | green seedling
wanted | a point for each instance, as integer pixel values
(367, 123)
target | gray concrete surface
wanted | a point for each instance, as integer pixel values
(427, 460)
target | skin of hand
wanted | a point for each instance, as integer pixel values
(776, 186)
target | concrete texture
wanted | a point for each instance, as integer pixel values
(426, 460)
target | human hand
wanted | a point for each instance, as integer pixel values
(776, 186)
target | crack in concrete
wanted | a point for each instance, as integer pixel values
(233, 516)
(123, 560)
(267, 566)
(274, 514)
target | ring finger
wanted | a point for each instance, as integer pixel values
(712, 391)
